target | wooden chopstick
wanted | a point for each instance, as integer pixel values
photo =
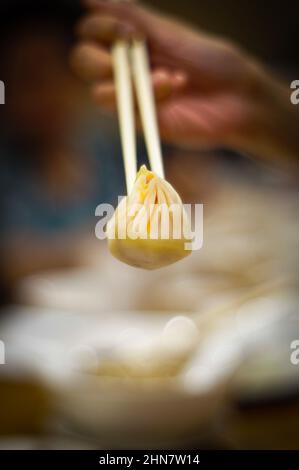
(125, 107)
(124, 56)
(146, 104)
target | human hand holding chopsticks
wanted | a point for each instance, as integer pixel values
(208, 91)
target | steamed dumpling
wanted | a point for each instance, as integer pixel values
(150, 227)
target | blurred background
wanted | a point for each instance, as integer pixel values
(59, 158)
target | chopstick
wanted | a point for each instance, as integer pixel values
(146, 103)
(125, 107)
(134, 57)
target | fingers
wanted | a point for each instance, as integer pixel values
(135, 14)
(142, 21)
(91, 59)
(91, 62)
(105, 29)
(164, 82)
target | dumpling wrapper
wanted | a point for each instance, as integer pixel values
(150, 227)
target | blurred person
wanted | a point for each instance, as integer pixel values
(57, 157)
(209, 92)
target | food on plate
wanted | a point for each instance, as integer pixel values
(137, 353)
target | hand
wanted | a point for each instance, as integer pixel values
(208, 92)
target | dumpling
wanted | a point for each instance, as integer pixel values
(150, 227)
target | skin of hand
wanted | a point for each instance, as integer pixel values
(209, 92)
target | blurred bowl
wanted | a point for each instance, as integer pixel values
(117, 412)
(121, 412)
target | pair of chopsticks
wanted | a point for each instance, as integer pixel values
(131, 65)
